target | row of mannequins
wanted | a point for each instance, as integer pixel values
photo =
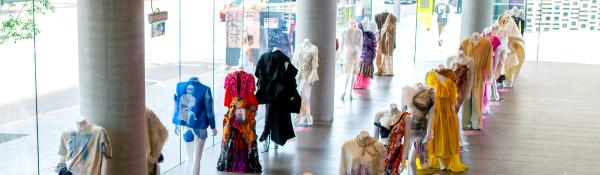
(425, 130)
(422, 133)
(485, 63)
(363, 43)
(85, 148)
(281, 85)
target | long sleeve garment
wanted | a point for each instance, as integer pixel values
(306, 59)
(276, 88)
(386, 46)
(516, 45)
(490, 90)
(157, 137)
(350, 49)
(239, 151)
(380, 20)
(194, 105)
(463, 69)
(362, 157)
(481, 53)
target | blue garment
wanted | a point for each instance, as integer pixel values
(193, 105)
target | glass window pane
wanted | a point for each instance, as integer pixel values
(162, 73)
(17, 106)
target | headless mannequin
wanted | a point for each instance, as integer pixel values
(441, 79)
(267, 143)
(464, 60)
(387, 118)
(362, 137)
(411, 148)
(306, 118)
(193, 150)
(350, 76)
(81, 123)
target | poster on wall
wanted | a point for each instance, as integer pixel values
(157, 22)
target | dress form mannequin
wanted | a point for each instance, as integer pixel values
(418, 125)
(360, 154)
(464, 83)
(194, 114)
(386, 120)
(307, 61)
(351, 46)
(84, 149)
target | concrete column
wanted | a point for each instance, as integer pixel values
(316, 22)
(111, 77)
(476, 16)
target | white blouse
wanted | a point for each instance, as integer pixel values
(306, 59)
(364, 158)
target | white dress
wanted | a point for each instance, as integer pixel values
(365, 158)
(351, 47)
(306, 59)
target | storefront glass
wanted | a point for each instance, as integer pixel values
(209, 39)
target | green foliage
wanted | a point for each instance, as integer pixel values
(21, 25)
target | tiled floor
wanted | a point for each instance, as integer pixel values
(548, 124)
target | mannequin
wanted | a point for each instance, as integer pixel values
(239, 150)
(490, 91)
(385, 122)
(418, 100)
(276, 88)
(386, 46)
(444, 149)
(363, 153)
(84, 149)
(463, 69)
(500, 55)
(480, 49)
(516, 45)
(194, 113)
(365, 67)
(351, 46)
(306, 59)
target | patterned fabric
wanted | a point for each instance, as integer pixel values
(365, 66)
(193, 105)
(246, 85)
(239, 151)
(394, 158)
(85, 149)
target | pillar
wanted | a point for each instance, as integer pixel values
(317, 22)
(111, 77)
(476, 16)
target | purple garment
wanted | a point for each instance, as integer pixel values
(369, 43)
(365, 67)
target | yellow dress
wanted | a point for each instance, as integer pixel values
(482, 54)
(446, 139)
